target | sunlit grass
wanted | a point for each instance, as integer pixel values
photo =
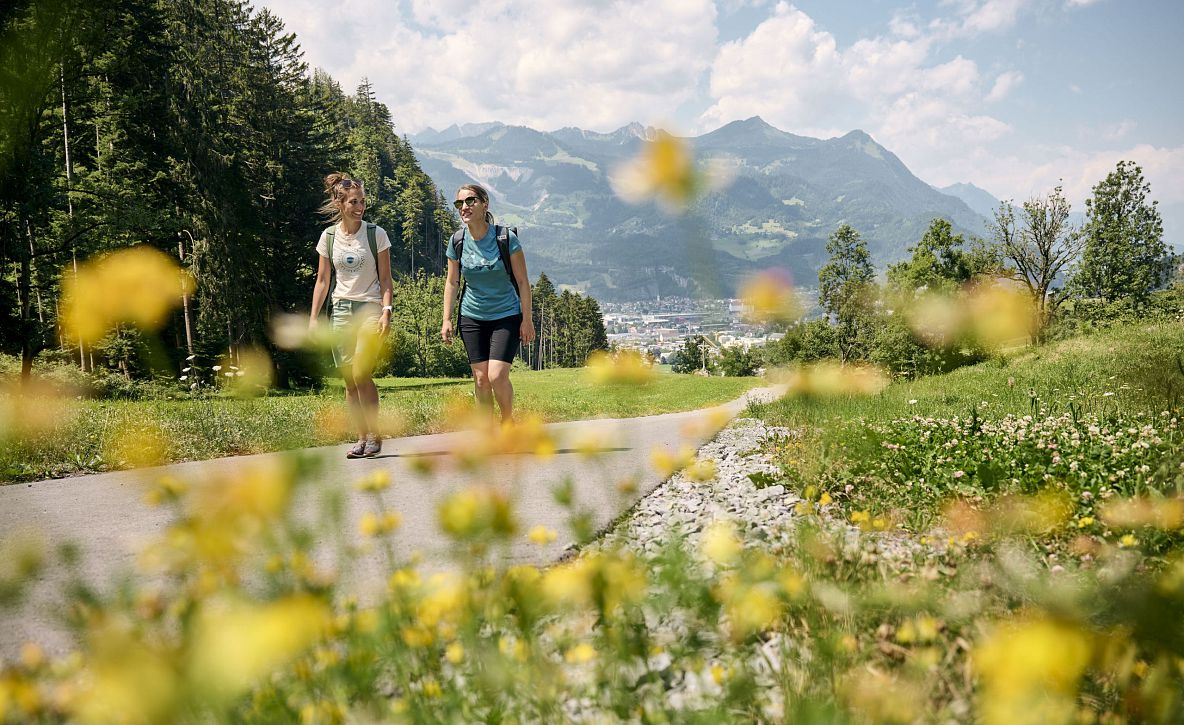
(104, 435)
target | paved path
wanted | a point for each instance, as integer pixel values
(105, 516)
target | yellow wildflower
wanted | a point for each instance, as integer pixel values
(454, 653)
(664, 171)
(237, 644)
(1030, 670)
(701, 470)
(625, 367)
(580, 654)
(769, 297)
(720, 543)
(541, 535)
(139, 285)
(375, 482)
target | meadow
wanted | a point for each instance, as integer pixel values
(100, 435)
(1001, 544)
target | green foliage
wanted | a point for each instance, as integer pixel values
(846, 291)
(1125, 255)
(1039, 244)
(735, 362)
(569, 327)
(939, 263)
(695, 356)
(193, 127)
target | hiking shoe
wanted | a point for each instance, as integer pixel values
(373, 446)
(358, 451)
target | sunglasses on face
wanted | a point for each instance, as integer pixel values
(467, 201)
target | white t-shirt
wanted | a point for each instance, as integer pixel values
(357, 273)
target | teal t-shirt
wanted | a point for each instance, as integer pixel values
(488, 292)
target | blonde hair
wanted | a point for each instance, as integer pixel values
(483, 195)
(336, 192)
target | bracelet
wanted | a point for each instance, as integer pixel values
(388, 308)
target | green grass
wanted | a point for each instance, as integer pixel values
(1140, 366)
(98, 433)
(911, 449)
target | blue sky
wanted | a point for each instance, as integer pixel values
(1011, 95)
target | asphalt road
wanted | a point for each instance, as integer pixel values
(105, 517)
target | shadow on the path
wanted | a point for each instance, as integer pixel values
(424, 454)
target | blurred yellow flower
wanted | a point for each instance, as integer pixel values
(769, 297)
(249, 375)
(663, 171)
(1127, 541)
(137, 446)
(831, 379)
(124, 680)
(580, 654)
(1037, 514)
(625, 367)
(379, 524)
(667, 463)
(1030, 670)
(1133, 513)
(881, 697)
(720, 543)
(477, 512)
(33, 409)
(139, 285)
(236, 644)
(568, 584)
(750, 608)
(992, 313)
(454, 653)
(167, 488)
(375, 482)
(541, 535)
(701, 470)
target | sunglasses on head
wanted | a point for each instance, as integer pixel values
(347, 184)
(467, 201)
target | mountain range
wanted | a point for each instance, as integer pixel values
(787, 194)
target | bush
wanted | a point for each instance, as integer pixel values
(738, 363)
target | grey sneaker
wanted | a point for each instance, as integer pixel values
(373, 446)
(358, 451)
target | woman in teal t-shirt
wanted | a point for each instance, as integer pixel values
(494, 316)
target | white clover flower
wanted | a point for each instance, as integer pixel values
(216, 368)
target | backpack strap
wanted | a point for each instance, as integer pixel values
(329, 234)
(503, 251)
(458, 243)
(372, 238)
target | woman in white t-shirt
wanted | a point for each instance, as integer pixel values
(361, 304)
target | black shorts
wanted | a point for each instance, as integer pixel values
(491, 339)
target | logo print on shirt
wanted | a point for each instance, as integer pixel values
(351, 260)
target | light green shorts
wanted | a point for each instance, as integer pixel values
(355, 326)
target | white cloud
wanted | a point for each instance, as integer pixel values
(529, 62)
(1004, 83)
(794, 75)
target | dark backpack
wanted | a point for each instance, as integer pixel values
(371, 237)
(503, 251)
